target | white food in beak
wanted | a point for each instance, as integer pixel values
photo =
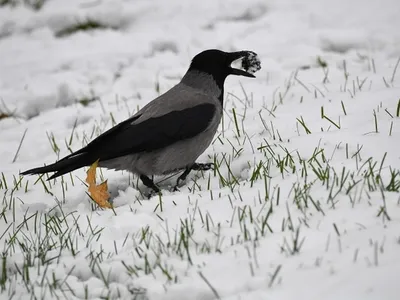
(249, 63)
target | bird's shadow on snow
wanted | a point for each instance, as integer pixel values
(127, 189)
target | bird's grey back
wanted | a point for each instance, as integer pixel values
(195, 88)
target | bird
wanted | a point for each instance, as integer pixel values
(170, 132)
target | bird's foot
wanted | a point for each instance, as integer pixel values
(155, 190)
(203, 166)
(196, 167)
(151, 193)
(179, 181)
(175, 188)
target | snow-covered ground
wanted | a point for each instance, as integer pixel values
(305, 201)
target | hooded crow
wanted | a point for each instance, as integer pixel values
(170, 132)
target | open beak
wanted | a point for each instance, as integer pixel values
(241, 72)
(237, 56)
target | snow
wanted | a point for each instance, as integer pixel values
(270, 224)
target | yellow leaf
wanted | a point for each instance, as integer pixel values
(91, 173)
(99, 193)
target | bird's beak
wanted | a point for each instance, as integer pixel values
(236, 59)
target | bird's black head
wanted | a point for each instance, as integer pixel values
(218, 64)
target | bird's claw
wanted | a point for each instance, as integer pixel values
(203, 166)
(153, 193)
(175, 188)
(177, 185)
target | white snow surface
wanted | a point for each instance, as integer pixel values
(271, 223)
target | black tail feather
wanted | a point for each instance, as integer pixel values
(65, 165)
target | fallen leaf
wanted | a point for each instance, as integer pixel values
(3, 115)
(99, 193)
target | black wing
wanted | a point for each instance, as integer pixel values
(127, 138)
(153, 133)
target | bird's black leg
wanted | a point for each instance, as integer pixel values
(196, 167)
(149, 183)
(182, 177)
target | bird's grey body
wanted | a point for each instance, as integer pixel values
(170, 132)
(188, 93)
